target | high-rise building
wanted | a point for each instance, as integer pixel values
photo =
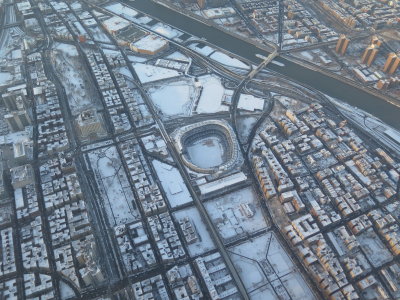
(13, 98)
(388, 82)
(369, 55)
(392, 63)
(22, 176)
(18, 120)
(89, 123)
(376, 41)
(23, 151)
(12, 123)
(342, 44)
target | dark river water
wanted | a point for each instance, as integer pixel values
(332, 87)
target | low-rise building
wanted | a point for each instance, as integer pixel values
(150, 44)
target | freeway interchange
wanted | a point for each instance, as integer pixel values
(115, 162)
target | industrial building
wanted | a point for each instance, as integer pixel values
(115, 24)
(149, 45)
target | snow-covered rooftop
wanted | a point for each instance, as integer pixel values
(150, 43)
(150, 73)
(115, 23)
(123, 10)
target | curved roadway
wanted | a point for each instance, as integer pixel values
(333, 86)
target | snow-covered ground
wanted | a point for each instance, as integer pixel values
(126, 72)
(250, 102)
(122, 10)
(119, 201)
(134, 58)
(99, 35)
(249, 259)
(382, 131)
(206, 50)
(80, 93)
(307, 55)
(291, 103)
(173, 97)
(245, 125)
(150, 73)
(172, 183)
(178, 56)
(211, 96)
(143, 20)
(67, 49)
(228, 217)
(66, 291)
(204, 243)
(207, 152)
(111, 52)
(228, 61)
(5, 77)
(218, 56)
(166, 31)
(16, 137)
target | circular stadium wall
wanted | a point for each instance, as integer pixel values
(207, 147)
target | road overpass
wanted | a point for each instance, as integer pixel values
(335, 86)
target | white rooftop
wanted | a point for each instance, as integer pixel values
(150, 42)
(116, 23)
(222, 183)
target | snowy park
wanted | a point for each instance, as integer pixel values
(236, 214)
(113, 185)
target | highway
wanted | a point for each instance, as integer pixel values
(215, 235)
(334, 86)
(186, 177)
(199, 204)
(89, 184)
(181, 166)
(236, 95)
(103, 238)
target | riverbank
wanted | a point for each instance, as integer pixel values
(338, 87)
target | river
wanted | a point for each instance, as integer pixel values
(387, 112)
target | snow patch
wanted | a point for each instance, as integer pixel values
(228, 61)
(172, 98)
(173, 184)
(150, 73)
(211, 97)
